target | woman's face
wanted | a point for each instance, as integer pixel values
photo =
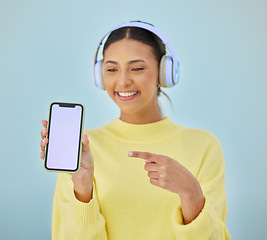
(131, 77)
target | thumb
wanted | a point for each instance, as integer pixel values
(85, 142)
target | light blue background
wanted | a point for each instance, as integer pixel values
(46, 54)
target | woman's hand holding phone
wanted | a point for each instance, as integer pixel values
(82, 179)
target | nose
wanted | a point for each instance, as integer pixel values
(124, 79)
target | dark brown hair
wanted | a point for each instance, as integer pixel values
(138, 34)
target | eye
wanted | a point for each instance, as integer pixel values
(112, 70)
(137, 69)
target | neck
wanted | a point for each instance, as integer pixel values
(141, 118)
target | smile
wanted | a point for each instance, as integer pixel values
(127, 95)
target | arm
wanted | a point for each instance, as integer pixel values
(201, 211)
(169, 174)
(76, 213)
(210, 223)
(73, 219)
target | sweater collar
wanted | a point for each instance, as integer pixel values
(151, 132)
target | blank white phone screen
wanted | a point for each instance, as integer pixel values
(64, 137)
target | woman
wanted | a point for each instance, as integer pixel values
(143, 176)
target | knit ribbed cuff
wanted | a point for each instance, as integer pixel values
(85, 214)
(204, 220)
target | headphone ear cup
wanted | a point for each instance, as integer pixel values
(99, 74)
(166, 72)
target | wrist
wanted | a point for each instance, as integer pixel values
(83, 188)
(194, 194)
(192, 203)
(83, 195)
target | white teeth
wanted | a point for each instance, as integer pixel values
(126, 94)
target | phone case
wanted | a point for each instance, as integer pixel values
(80, 146)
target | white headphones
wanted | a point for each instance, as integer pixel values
(169, 69)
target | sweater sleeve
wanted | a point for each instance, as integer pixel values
(210, 223)
(72, 219)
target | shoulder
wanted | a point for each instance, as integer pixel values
(196, 134)
(199, 134)
(93, 133)
(205, 146)
(206, 143)
(198, 140)
(96, 132)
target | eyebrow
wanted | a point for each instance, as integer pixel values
(130, 62)
(135, 61)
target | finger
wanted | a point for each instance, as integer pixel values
(146, 161)
(43, 143)
(153, 174)
(85, 142)
(152, 166)
(155, 181)
(42, 155)
(44, 122)
(44, 133)
(152, 157)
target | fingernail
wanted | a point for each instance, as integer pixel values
(130, 154)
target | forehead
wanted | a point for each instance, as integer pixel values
(129, 48)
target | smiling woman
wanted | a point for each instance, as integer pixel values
(141, 52)
(143, 176)
(131, 78)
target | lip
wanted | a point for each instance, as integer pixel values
(127, 98)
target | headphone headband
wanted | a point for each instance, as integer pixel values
(151, 28)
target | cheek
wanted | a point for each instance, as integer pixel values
(149, 81)
(153, 75)
(109, 91)
(108, 84)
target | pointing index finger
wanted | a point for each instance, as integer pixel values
(145, 155)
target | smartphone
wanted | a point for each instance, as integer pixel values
(65, 128)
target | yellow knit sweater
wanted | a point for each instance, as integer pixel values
(125, 205)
